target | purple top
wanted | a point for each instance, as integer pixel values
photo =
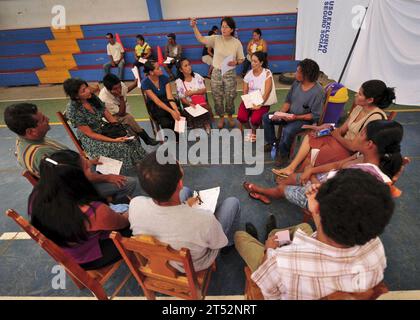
(90, 249)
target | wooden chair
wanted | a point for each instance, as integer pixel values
(33, 180)
(253, 292)
(307, 216)
(92, 279)
(148, 260)
(63, 119)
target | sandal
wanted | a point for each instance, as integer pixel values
(279, 174)
(260, 197)
(247, 186)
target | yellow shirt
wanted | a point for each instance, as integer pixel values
(141, 50)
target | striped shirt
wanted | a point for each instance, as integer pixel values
(30, 152)
(308, 269)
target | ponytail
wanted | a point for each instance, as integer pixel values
(382, 95)
(387, 136)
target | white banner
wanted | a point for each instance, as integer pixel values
(326, 30)
(389, 49)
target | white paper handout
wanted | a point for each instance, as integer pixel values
(314, 155)
(109, 165)
(209, 199)
(283, 115)
(168, 60)
(253, 98)
(196, 111)
(142, 60)
(225, 67)
(180, 125)
(137, 76)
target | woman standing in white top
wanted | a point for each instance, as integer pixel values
(191, 89)
(259, 78)
(223, 87)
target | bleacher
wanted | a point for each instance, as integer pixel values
(43, 55)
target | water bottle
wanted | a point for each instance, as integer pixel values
(274, 151)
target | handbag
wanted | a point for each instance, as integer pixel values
(197, 98)
(113, 130)
(272, 98)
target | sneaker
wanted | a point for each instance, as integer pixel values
(270, 225)
(250, 228)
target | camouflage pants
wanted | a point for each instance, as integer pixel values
(224, 91)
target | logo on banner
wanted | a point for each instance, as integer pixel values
(324, 36)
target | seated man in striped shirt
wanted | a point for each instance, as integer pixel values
(32, 144)
(350, 211)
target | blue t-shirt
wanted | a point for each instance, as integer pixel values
(147, 84)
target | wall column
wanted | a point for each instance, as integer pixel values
(155, 9)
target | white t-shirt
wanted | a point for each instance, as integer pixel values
(180, 227)
(116, 50)
(112, 103)
(257, 83)
(196, 83)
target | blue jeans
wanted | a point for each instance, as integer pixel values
(108, 66)
(119, 194)
(290, 129)
(228, 213)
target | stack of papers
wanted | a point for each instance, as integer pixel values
(196, 111)
(253, 98)
(109, 165)
(225, 67)
(281, 115)
(209, 198)
(135, 71)
(180, 125)
(142, 60)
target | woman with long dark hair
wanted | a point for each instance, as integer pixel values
(192, 90)
(259, 78)
(372, 98)
(86, 113)
(68, 210)
(378, 148)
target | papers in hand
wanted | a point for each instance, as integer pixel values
(209, 199)
(225, 67)
(281, 115)
(142, 60)
(321, 127)
(314, 155)
(283, 237)
(137, 76)
(180, 125)
(109, 165)
(168, 60)
(253, 98)
(196, 111)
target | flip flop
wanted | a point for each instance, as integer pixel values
(247, 186)
(260, 197)
(279, 174)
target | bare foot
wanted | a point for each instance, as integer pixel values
(231, 121)
(285, 172)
